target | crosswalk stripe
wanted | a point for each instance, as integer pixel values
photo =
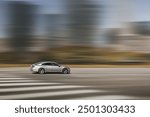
(7, 75)
(9, 78)
(40, 88)
(27, 84)
(21, 88)
(48, 94)
(106, 97)
(5, 81)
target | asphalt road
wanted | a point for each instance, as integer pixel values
(81, 84)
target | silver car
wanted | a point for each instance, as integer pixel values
(49, 66)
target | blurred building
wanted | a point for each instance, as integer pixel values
(142, 30)
(83, 16)
(137, 40)
(55, 30)
(21, 16)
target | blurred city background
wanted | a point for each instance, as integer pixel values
(75, 31)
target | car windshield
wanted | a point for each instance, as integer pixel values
(57, 64)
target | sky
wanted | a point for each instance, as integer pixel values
(110, 17)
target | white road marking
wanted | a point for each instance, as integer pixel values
(40, 88)
(6, 81)
(86, 75)
(26, 84)
(7, 75)
(107, 97)
(11, 78)
(48, 94)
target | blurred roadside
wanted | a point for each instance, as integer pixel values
(77, 55)
(82, 66)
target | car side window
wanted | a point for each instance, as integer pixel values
(55, 64)
(47, 64)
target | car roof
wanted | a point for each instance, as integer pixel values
(47, 62)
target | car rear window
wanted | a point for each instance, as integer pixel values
(47, 64)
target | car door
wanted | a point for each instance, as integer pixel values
(56, 67)
(48, 67)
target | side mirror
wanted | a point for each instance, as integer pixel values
(57, 65)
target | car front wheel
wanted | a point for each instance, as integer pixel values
(41, 71)
(65, 71)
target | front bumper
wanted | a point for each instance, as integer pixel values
(32, 69)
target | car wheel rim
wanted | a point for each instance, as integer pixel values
(65, 71)
(42, 71)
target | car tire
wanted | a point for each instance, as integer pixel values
(41, 71)
(65, 71)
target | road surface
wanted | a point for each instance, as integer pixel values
(81, 84)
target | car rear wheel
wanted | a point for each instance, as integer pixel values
(65, 71)
(41, 71)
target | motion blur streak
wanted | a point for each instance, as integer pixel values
(74, 31)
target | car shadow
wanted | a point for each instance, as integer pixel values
(53, 73)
